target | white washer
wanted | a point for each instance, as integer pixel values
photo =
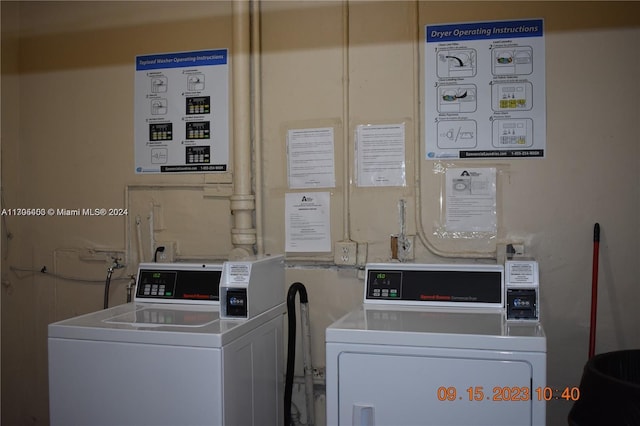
(431, 346)
(171, 358)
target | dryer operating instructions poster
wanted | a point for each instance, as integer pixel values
(485, 90)
(181, 112)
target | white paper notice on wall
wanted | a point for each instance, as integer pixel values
(471, 200)
(380, 155)
(310, 155)
(308, 222)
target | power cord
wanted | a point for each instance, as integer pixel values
(160, 249)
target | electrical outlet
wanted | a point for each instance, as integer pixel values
(345, 253)
(165, 251)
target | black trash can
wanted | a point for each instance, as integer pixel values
(609, 391)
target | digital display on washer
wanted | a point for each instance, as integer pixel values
(435, 286)
(179, 284)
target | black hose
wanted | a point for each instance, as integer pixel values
(291, 345)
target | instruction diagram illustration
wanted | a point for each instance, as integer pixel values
(457, 134)
(512, 96)
(513, 61)
(512, 133)
(159, 84)
(457, 98)
(159, 106)
(456, 63)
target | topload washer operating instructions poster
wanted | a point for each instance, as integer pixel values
(182, 112)
(485, 90)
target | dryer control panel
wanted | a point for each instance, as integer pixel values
(435, 284)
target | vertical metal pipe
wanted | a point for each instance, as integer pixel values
(307, 363)
(152, 233)
(243, 234)
(139, 239)
(256, 101)
(346, 157)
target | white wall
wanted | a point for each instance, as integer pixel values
(67, 143)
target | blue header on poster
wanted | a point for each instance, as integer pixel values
(181, 60)
(484, 30)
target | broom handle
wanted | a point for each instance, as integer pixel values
(594, 289)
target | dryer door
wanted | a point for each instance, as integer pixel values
(434, 386)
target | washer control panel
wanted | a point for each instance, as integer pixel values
(178, 283)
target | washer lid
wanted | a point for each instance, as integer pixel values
(464, 329)
(162, 324)
(155, 316)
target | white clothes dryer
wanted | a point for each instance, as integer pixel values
(431, 346)
(172, 357)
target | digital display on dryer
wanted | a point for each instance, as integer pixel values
(385, 285)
